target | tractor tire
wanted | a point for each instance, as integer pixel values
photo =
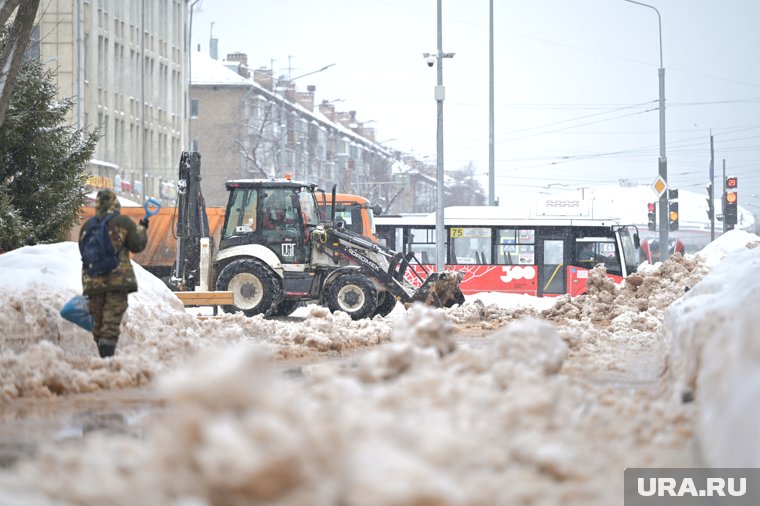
(285, 308)
(386, 305)
(353, 294)
(255, 288)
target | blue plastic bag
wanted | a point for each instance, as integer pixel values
(77, 310)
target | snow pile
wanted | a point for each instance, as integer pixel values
(42, 354)
(476, 314)
(732, 241)
(417, 421)
(716, 352)
(555, 405)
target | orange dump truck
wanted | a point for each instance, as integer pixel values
(354, 211)
(161, 252)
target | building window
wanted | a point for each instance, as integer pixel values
(193, 107)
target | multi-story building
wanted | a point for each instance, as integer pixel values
(249, 124)
(125, 64)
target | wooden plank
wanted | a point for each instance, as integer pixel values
(205, 298)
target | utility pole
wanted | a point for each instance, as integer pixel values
(663, 160)
(143, 109)
(723, 198)
(491, 153)
(712, 189)
(440, 93)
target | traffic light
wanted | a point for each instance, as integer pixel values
(731, 215)
(673, 215)
(652, 208)
(731, 203)
(710, 201)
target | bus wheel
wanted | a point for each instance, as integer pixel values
(386, 305)
(253, 286)
(353, 294)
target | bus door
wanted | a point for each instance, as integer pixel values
(551, 258)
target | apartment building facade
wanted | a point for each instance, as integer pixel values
(125, 63)
(247, 124)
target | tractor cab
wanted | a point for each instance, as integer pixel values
(276, 214)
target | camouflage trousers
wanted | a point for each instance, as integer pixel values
(107, 310)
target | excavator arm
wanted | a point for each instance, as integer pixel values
(191, 223)
(389, 268)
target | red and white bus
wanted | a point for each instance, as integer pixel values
(540, 256)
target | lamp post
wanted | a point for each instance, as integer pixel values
(663, 161)
(440, 251)
(491, 150)
(283, 119)
(189, 78)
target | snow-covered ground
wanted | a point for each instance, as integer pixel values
(561, 397)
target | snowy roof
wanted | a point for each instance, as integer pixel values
(206, 70)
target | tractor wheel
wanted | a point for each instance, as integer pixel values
(285, 308)
(386, 305)
(255, 288)
(353, 294)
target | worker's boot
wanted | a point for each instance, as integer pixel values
(106, 347)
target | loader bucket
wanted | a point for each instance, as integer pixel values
(440, 289)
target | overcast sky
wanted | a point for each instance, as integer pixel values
(576, 81)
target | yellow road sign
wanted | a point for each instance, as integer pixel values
(659, 186)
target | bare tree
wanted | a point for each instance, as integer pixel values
(12, 53)
(262, 149)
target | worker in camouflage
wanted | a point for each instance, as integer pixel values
(108, 294)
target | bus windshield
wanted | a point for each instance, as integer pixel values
(628, 246)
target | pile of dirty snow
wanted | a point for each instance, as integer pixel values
(41, 354)
(556, 405)
(420, 420)
(716, 351)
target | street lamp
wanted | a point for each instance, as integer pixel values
(440, 93)
(189, 78)
(313, 72)
(283, 120)
(663, 161)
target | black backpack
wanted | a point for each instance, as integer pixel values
(99, 257)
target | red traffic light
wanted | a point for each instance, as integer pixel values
(731, 182)
(651, 207)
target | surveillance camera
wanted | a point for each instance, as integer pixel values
(429, 59)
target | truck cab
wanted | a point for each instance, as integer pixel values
(276, 214)
(354, 212)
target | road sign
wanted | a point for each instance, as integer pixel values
(659, 186)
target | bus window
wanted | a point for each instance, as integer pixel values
(590, 251)
(470, 245)
(422, 242)
(630, 255)
(516, 247)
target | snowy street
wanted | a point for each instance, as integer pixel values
(504, 400)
